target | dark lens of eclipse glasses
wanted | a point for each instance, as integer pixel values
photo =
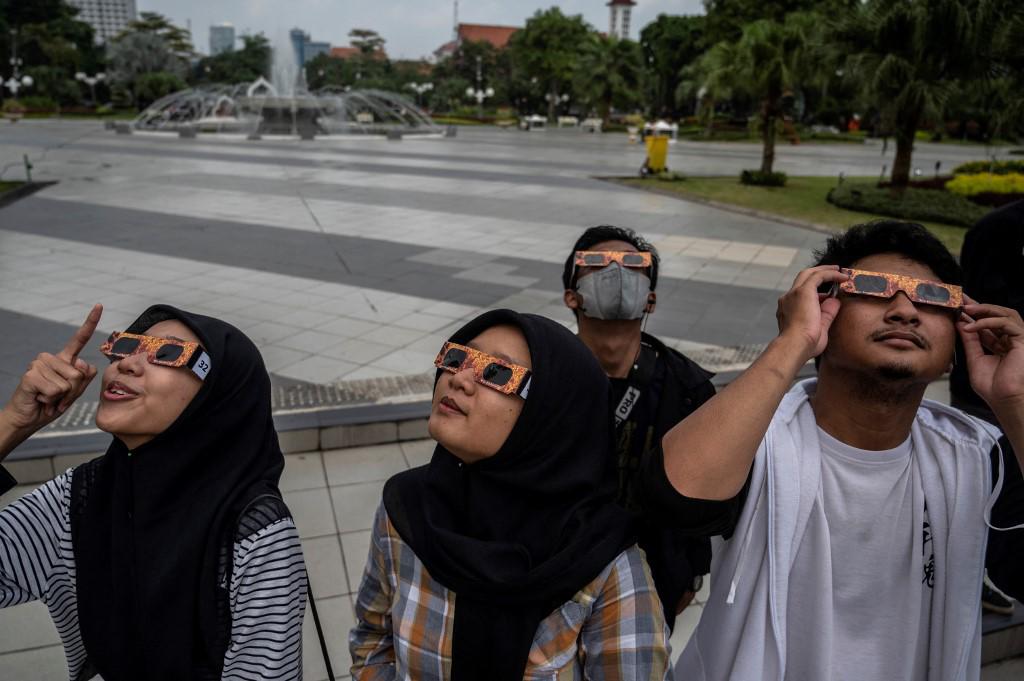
(124, 346)
(633, 260)
(169, 352)
(453, 359)
(497, 374)
(594, 259)
(866, 283)
(932, 293)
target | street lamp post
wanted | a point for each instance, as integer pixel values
(554, 99)
(91, 81)
(15, 83)
(479, 93)
(420, 89)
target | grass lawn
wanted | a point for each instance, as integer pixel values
(8, 186)
(803, 198)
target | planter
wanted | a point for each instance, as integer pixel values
(13, 116)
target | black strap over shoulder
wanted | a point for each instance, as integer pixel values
(639, 378)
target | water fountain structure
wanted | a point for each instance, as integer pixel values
(284, 106)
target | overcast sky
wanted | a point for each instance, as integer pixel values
(412, 28)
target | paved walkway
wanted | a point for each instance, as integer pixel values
(353, 259)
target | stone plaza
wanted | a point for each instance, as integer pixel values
(349, 262)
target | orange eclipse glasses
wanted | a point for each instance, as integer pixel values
(166, 352)
(493, 372)
(885, 285)
(602, 258)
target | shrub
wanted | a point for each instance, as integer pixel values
(909, 204)
(12, 106)
(38, 103)
(996, 167)
(759, 179)
(969, 185)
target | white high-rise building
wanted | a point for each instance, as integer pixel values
(107, 17)
(620, 11)
(222, 39)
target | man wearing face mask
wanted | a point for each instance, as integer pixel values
(609, 280)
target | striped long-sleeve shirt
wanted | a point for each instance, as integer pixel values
(267, 589)
(613, 629)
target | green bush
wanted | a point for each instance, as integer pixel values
(908, 204)
(759, 179)
(38, 103)
(987, 183)
(994, 167)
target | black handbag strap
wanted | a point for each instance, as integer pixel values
(319, 629)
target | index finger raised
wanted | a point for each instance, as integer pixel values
(82, 336)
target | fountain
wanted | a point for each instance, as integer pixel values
(284, 106)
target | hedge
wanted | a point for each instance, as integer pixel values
(969, 185)
(909, 204)
(760, 179)
(995, 167)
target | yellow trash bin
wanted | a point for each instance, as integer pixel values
(657, 153)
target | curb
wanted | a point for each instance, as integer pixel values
(28, 188)
(749, 212)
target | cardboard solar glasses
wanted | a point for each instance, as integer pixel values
(168, 352)
(493, 372)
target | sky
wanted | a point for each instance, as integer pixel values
(412, 28)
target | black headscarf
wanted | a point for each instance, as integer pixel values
(149, 526)
(518, 534)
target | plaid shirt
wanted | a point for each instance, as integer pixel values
(612, 630)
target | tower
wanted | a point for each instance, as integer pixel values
(619, 11)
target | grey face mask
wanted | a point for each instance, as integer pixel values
(614, 292)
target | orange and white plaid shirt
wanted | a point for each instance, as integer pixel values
(613, 629)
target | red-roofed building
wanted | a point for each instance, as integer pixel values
(349, 52)
(498, 36)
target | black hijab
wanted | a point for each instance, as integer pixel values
(518, 534)
(149, 526)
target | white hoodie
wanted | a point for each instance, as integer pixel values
(742, 632)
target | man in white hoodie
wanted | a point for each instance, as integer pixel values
(858, 515)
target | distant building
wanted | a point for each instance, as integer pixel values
(305, 47)
(107, 17)
(222, 39)
(620, 11)
(498, 36)
(349, 52)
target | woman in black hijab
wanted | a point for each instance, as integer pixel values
(172, 556)
(505, 557)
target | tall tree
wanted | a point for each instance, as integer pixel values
(367, 40)
(52, 45)
(670, 43)
(767, 63)
(726, 18)
(133, 55)
(609, 74)
(237, 66)
(708, 81)
(548, 48)
(177, 39)
(909, 57)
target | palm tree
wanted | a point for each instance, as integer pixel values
(908, 58)
(770, 60)
(609, 74)
(709, 80)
